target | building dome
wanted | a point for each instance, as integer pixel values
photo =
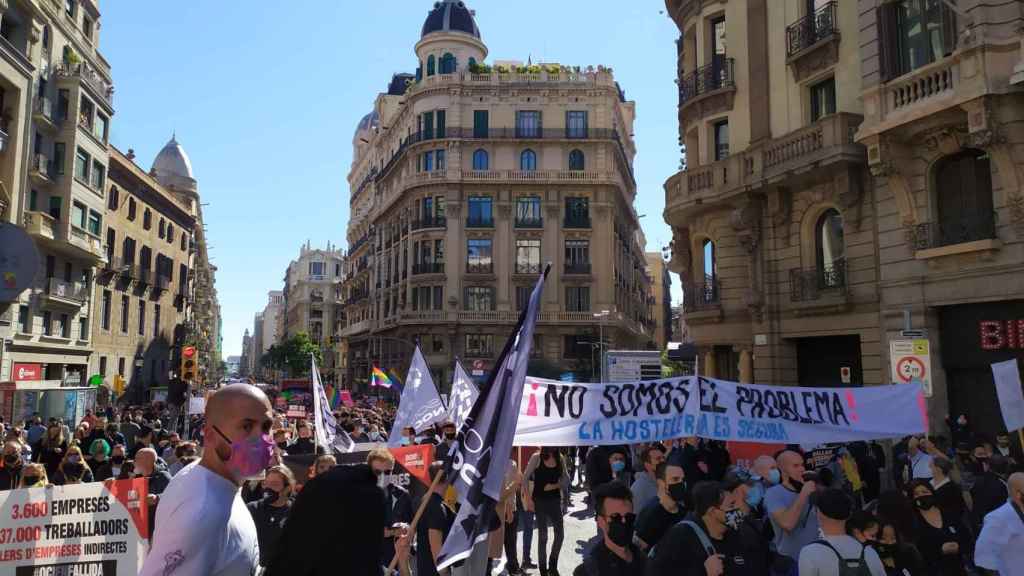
(173, 161)
(450, 16)
(368, 123)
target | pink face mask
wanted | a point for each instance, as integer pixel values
(249, 457)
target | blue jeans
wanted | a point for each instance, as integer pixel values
(526, 523)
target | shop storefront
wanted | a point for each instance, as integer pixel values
(973, 337)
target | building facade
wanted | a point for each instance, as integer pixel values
(311, 301)
(141, 306)
(660, 298)
(943, 93)
(772, 216)
(467, 178)
(56, 111)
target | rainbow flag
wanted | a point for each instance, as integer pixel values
(333, 396)
(396, 382)
(379, 378)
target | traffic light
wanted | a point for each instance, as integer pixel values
(188, 363)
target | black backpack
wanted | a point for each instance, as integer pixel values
(849, 566)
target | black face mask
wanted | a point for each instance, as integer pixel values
(677, 491)
(282, 445)
(11, 459)
(30, 480)
(271, 495)
(449, 436)
(117, 460)
(73, 470)
(621, 533)
(925, 502)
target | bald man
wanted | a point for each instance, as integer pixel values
(789, 507)
(1001, 544)
(202, 524)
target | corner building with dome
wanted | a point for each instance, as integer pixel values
(468, 176)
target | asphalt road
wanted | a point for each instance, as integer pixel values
(580, 528)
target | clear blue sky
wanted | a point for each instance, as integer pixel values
(265, 96)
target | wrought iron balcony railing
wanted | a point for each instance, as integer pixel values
(811, 283)
(708, 78)
(702, 295)
(811, 29)
(967, 229)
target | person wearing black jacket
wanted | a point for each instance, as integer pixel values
(949, 496)
(752, 530)
(615, 554)
(989, 490)
(10, 474)
(305, 443)
(399, 503)
(693, 459)
(270, 513)
(667, 510)
(703, 545)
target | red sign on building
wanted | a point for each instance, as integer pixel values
(24, 372)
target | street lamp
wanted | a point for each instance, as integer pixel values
(601, 315)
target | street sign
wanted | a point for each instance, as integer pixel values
(632, 365)
(911, 362)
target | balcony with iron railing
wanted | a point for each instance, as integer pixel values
(88, 75)
(716, 78)
(427, 268)
(577, 268)
(75, 293)
(430, 222)
(811, 284)
(576, 221)
(537, 222)
(812, 31)
(479, 268)
(702, 296)
(480, 222)
(953, 232)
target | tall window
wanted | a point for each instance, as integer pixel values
(721, 130)
(479, 345)
(24, 320)
(83, 327)
(162, 229)
(831, 250)
(448, 63)
(719, 68)
(142, 317)
(147, 219)
(964, 198)
(439, 159)
(94, 223)
(523, 297)
(528, 160)
(528, 212)
(64, 326)
(528, 124)
(131, 208)
(577, 256)
(481, 160)
(82, 161)
(576, 160)
(59, 154)
(113, 198)
(317, 269)
(823, 99)
(710, 260)
(577, 299)
(78, 212)
(431, 65)
(428, 125)
(479, 298)
(577, 212)
(441, 123)
(480, 213)
(576, 124)
(105, 310)
(914, 33)
(124, 313)
(47, 323)
(156, 321)
(527, 256)
(478, 256)
(481, 128)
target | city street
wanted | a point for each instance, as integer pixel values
(580, 528)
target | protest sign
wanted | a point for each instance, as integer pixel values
(1011, 398)
(197, 405)
(92, 528)
(556, 413)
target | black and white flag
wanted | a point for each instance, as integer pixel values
(463, 396)
(479, 458)
(328, 433)
(420, 405)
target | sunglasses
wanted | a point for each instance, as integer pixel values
(627, 518)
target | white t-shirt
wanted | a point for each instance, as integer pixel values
(202, 528)
(819, 560)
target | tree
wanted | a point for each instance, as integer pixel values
(292, 355)
(670, 368)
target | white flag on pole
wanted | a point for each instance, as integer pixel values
(328, 433)
(1011, 398)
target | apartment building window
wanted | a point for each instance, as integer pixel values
(439, 250)
(83, 328)
(914, 33)
(478, 256)
(528, 213)
(963, 194)
(576, 124)
(438, 297)
(481, 160)
(71, 7)
(479, 298)
(439, 159)
(128, 250)
(437, 344)
(142, 317)
(527, 256)
(448, 63)
(145, 259)
(576, 160)
(147, 219)
(427, 161)
(82, 161)
(33, 200)
(111, 244)
(577, 299)
(184, 241)
(99, 128)
(64, 326)
(441, 129)
(161, 229)
(131, 209)
(481, 124)
(577, 256)
(523, 297)
(479, 345)
(95, 223)
(823, 99)
(103, 365)
(528, 124)
(87, 28)
(577, 212)
(427, 125)
(59, 154)
(113, 198)
(170, 233)
(24, 320)
(156, 321)
(431, 65)
(721, 136)
(78, 214)
(317, 270)
(124, 313)
(54, 209)
(831, 250)
(528, 160)
(47, 323)
(120, 366)
(86, 113)
(480, 212)
(105, 310)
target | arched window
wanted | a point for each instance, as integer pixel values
(131, 208)
(184, 241)
(46, 36)
(162, 228)
(576, 160)
(707, 292)
(430, 65)
(472, 64)
(963, 194)
(147, 219)
(481, 161)
(831, 250)
(170, 233)
(448, 63)
(528, 160)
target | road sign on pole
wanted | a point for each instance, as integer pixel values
(911, 362)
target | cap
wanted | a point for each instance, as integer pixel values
(737, 476)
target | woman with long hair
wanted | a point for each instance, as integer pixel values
(547, 481)
(900, 558)
(943, 540)
(51, 448)
(73, 469)
(33, 475)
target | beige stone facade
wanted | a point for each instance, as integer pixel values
(773, 220)
(311, 301)
(467, 179)
(142, 296)
(660, 298)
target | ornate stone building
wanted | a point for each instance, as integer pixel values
(467, 179)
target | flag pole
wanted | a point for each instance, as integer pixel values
(419, 513)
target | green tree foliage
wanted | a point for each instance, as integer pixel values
(292, 355)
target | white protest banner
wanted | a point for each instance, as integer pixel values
(76, 529)
(566, 414)
(1011, 399)
(197, 405)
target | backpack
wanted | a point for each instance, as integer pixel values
(849, 566)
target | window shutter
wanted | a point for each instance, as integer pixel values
(888, 54)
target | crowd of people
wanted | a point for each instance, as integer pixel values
(919, 507)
